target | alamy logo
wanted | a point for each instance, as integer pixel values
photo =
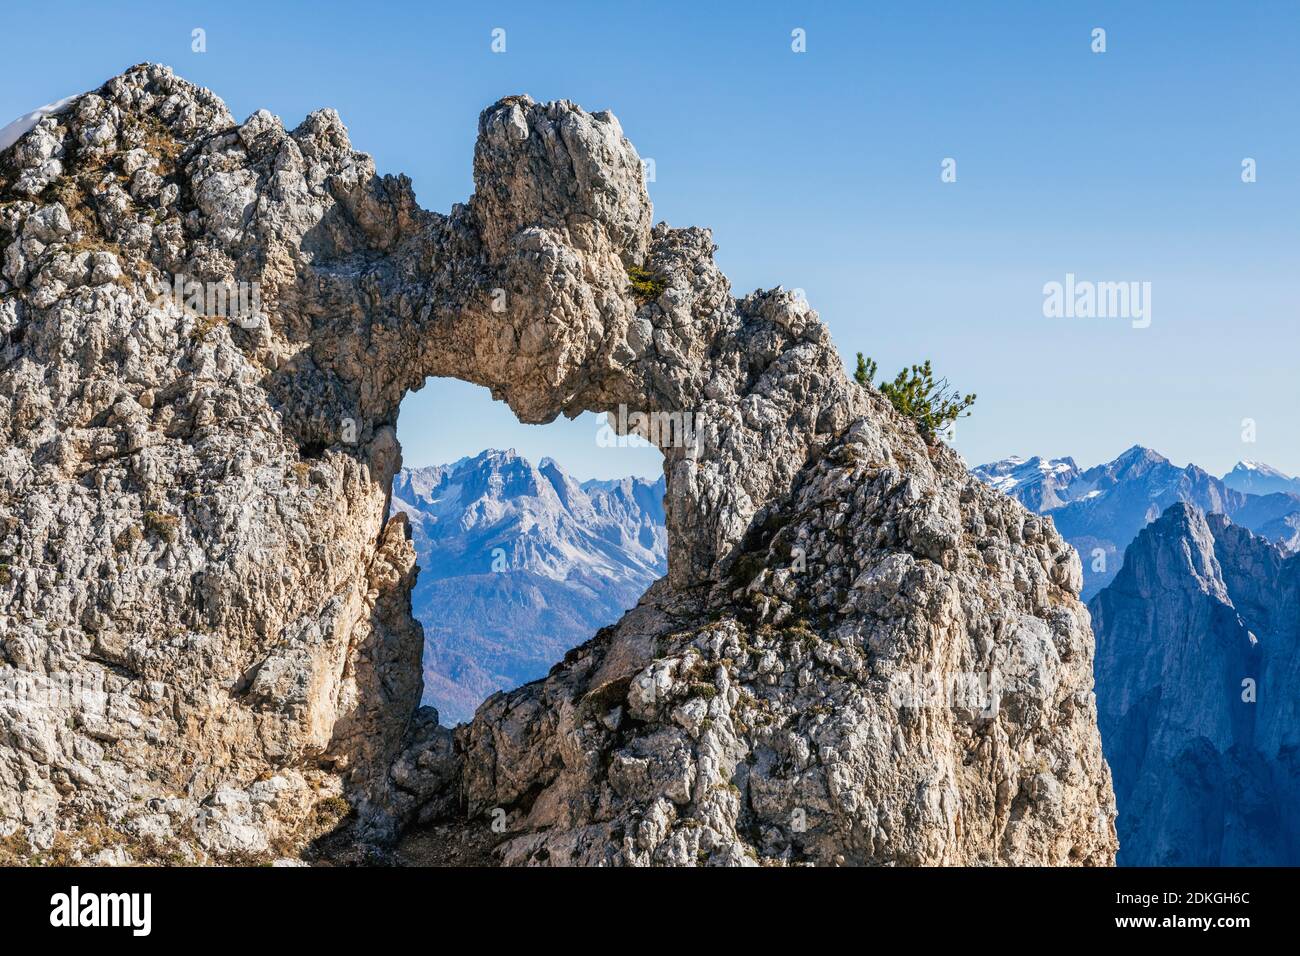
(662, 429)
(58, 690)
(241, 302)
(73, 909)
(1083, 299)
(966, 690)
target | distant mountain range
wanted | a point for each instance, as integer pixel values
(1101, 509)
(519, 563)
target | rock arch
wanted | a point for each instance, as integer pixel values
(196, 520)
(525, 290)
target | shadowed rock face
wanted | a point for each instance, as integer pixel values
(1197, 664)
(195, 523)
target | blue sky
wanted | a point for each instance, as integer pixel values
(821, 171)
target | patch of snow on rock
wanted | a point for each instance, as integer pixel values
(24, 124)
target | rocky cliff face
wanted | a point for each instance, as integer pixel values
(518, 564)
(1198, 658)
(194, 524)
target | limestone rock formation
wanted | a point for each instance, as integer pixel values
(1198, 658)
(206, 644)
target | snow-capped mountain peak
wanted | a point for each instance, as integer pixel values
(1036, 481)
(497, 507)
(1258, 478)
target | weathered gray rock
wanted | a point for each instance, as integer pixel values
(194, 507)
